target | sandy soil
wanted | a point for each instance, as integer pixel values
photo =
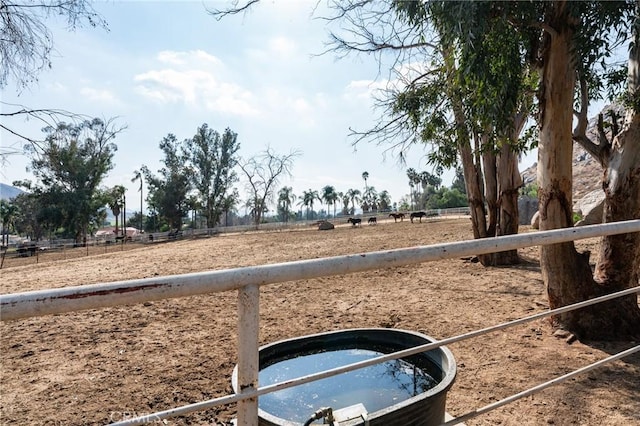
(99, 366)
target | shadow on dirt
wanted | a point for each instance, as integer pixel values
(623, 375)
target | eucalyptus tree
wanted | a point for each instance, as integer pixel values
(286, 198)
(330, 196)
(69, 168)
(213, 158)
(168, 192)
(27, 43)
(568, 43)
(28, 222)
(263, 172)
(618, 152)
(26, 47)
(431, 101)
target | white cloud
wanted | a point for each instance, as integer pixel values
(278, 48)
(363, 89)
(99, 95)
(194, 78)
(187, 58)
(282, 46)
(57, 87)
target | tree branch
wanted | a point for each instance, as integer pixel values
(219, 14)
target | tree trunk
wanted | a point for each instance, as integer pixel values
(618, 265)
(490, 172)
(566, 273)
(472, 176)
(509, 181)
(116, 214)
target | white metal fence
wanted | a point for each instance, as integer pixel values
(248, 280)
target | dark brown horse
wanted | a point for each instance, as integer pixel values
(397, 216)
(419, 215)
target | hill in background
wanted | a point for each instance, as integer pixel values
(8, 192)
(587, 172)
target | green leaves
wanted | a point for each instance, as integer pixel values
(70, 167)
(213, 158)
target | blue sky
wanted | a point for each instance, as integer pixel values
(168, 67)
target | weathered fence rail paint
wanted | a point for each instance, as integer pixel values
(56, 301)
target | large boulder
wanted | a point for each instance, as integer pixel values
(591, 208)
(325, 226)
(527, 207)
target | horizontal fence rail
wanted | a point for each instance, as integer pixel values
(55, 301)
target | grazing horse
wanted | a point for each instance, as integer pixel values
(372, 220)
(419, 215)
(397, 216)
(354, 222)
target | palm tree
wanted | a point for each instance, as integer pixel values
(307, 199)
(427, 178)
(417, 182)
(286, 197)
(370, 198)
(193, 204)
(330, 196)
(138, 175)
(345, 202)
(411, 174)
(385, 200)
(229, 204)
(354, 196)
(115, 202)
(365, 176)
(8, 214)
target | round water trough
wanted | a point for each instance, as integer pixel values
(406, 392)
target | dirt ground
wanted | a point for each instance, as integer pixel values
(100, 366)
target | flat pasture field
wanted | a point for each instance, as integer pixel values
(100, 366)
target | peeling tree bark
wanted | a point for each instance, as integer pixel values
(618, 265)
(566, 273)
(509, 181)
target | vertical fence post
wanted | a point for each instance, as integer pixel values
(248, 329)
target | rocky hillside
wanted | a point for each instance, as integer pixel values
(587, 172)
